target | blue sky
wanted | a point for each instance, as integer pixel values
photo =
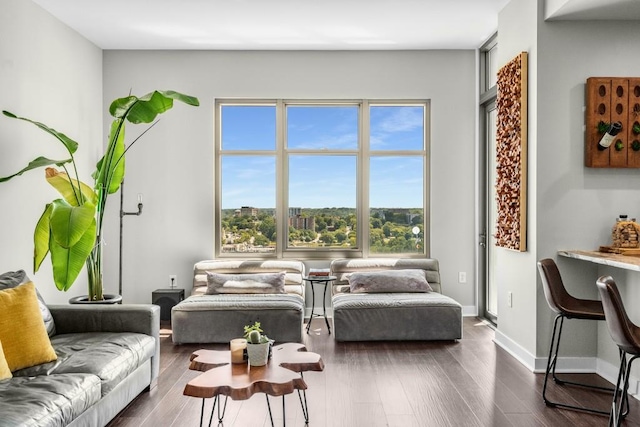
(321, 180)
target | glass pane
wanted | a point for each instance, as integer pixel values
(248, 127)
(492, 293)
(492, 66)
(397, 127)
(396, 215)
(248, 204)
(322, 202)
(322, 127)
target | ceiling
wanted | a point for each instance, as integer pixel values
(280, 24)
(592, 10)
(305, 24)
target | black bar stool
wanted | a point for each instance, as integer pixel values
(626, 335)
(566, 306)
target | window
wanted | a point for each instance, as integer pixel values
(489, 66)
(487, 284)
(299, 178)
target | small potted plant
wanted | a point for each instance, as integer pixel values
(258, 344)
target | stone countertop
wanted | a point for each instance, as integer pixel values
(627, 262)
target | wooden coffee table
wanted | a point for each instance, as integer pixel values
(280, 376)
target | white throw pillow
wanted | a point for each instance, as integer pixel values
(260, 283)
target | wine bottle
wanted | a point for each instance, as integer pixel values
(608, 136)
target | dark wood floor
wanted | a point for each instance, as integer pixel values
(468, 383)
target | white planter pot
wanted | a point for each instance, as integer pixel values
(258, 354)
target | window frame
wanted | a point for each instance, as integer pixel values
(363, 154)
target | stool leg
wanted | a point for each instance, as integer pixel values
(553, 356)
(625, 402)
(554, 349)
(617, 407)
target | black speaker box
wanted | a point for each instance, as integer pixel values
(166, 299)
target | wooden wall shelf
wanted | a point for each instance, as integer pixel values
(613, 99)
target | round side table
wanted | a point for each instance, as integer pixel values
(319, 280)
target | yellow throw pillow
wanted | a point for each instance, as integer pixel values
(22, 331)
(5, 372)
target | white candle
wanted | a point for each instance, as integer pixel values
(139, 198)
(237, 346)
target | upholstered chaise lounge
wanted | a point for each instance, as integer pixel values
(406, 314)
(220, 317)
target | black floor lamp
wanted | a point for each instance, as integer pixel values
(122, 215)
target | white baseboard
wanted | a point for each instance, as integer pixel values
(515, 350)
(595, 365)
(609, 372)
(576, 365)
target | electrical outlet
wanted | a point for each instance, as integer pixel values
(173, 281)
(510, 299)
(462, 277)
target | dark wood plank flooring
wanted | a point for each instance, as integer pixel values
(399, 384)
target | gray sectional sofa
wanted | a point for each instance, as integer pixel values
(107, 355)
(390, 315)
(218, 318)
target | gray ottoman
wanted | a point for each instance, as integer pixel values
(219, 318)
(392, 315)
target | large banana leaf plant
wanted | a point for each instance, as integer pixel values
(70, 228)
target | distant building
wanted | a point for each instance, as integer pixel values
(248, 211)
(295, 212)
(302, 223)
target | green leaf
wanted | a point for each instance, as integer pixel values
(69, 143)
(41, 238)
(68, 262)
(146, 108)
(68, 187)
(35, 164)
(70, 223)
(189, 100)
(121, 106)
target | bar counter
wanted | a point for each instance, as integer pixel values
(627, 262)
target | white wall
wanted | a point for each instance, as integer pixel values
(51, 74)
(580, 204)
(173, 165)
(570, 206)
(516, 271)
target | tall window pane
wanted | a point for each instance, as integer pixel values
(397, 128)
(247, 127)
(396, 214)
(248, 200)
(322, 127)
(322, 201)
